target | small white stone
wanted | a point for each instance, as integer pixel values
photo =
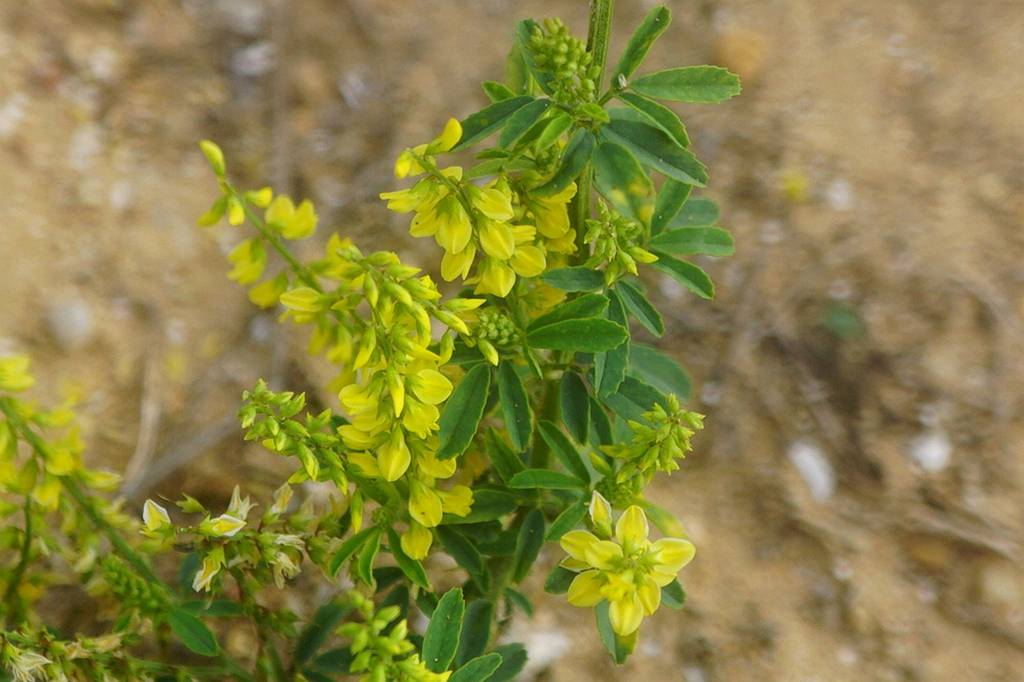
(254, 60)
(86, 144)
(711, 393)
(771, 232)
(812, 464)
(70, 323)
(694, 673)
(12, 112)
(931, 451)
(839, 195)
(543, 647)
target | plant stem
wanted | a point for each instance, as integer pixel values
(11, 593)
(598, 34)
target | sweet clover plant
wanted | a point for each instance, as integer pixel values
(507, 414)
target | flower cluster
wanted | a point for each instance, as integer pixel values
(565, 59)
(623, 568)
(657, 442)
(38, 655)
(380, 646)
(491, 220)
(615, 242)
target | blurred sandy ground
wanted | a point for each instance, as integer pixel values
(857, 499)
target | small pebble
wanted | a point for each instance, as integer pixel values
(931, 451)
(70, 323)
(840, 195)
(812, 464)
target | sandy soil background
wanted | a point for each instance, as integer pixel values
(857, 498)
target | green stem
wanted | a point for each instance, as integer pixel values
(598, 35)
(11, 593)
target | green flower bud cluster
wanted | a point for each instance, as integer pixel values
(565, 58)
(130, 589)
(30, 654)
(620, 493)
(269, 417)
(615, 240)
(493, 331)
(658, 442)
(380, 645)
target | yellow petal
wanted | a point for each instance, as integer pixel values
(495, 278)
(431, 386)
(454, 226)
(302, 224)
(448, 138)
(577, 542)
(497, 239)
(434, 467)
(416, 541)
(585, 589)
(394, 457)
(528, 261)
(492, 202)
(673, 553)
(457, 501)
(650, 596)
(457, 264)
(603, 554)
(154, 516)
(424, 504)
(626, 614)
(601, 514)
(631, 529)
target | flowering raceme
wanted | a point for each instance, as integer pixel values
(468, 220)
(625, 569)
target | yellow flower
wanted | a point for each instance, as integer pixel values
(424, 503)
(552, 213)
(393, 457)
(496, 278)
(14, 374)
(212, 563)
(154, 516)
(249, 259)
(457, 501)
(224, 526)
(291, 222)
(626, 569)
(416, 541)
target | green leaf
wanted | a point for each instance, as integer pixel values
(441, 640)
(463, 411)
(521, 121)
(466, 555)
(572, 398)
(515, 405)
(621, 179)
(698, 84)
(574, 159)
(480, 669)
(556, 127)
(655, 149)
(316, 632)
(524, 29)
(476, 127)
(513, 660)
(496, 92)
(563, 449)
(687, 274)
(710, 241)
(618, 647)
(610, 367)
(348, 548)
(336, 660)
(698, 211)
(600, 425)
(653, 25)
(659, 370)
(476, 631)
(673, 595)
(488, 505)
(412, 568)
(588, 305)
(193, 632)
(657, 115)
(640, 308)
(519, 600)
(589, 335)
(506, 463)
(567, 520)
(558, 580)
(528, 544)
(543, 478)
(633, 398)
(577, 278)
(671, 199)
(364, 567)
